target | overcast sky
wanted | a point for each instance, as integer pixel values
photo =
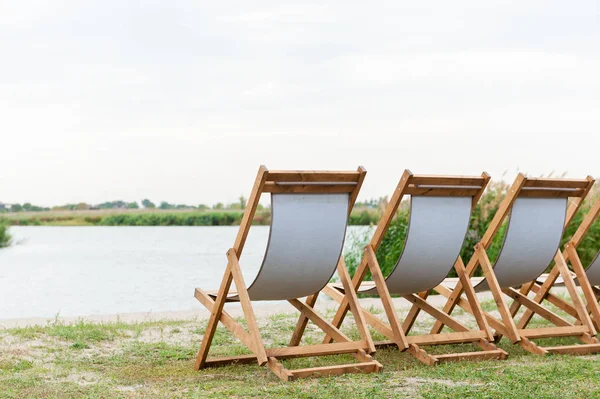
(183, 100)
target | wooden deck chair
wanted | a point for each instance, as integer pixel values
(440, 212)
(538, 214)
(310, 211)
(587, 278)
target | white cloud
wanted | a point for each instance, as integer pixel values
(108, 99)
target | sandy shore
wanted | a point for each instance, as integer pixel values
(262, 309)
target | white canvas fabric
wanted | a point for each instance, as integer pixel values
(534, 232)
(436, 232)
(305, 243)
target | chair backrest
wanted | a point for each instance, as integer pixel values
(533, 236)
(539, 212)
(305, 243)
(309, 215)
(440, 212)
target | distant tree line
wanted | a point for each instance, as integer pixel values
(26, 207)
(145, 203)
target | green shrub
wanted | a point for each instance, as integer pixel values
(5, 237)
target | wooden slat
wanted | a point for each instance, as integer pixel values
(335, 348)
(483, 355)
(302, 321)
(565, 273)
(584, 283)
(537, 308)
(548, 332)
(461, 302)
(276, 188)
(486, 179)
(323, 324)
(277, 368)
(556, 301)
(435, 312)
(253, 200)
(298, 176)
(362, 173)
(556, 183)
(440, 180)
(413, 313)
(355, 308)
(227, 360)
(501, 213)
(551, 193)
(386, 219)
(532, 347)
(476, 310)
(587, 222)
(446, 338)
(574, 349)
(421, 355)
(442, 191)
(385, 297)
(373, 320)
(506, 317)
(539, 297)
(369, 367)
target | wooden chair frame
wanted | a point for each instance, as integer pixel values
(590, 292)
(394, 330)
(576, 190)
(287, 182)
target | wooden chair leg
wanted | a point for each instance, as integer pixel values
(340, 315)
(584, 317)
(490, 277)
(540, 295)
(456, 294)
(350, 292)
(516, 305)
(259, 348)
(588, 292)
(302, 322)
(215, 315)
(413, 313)
(386, 299)
(459, 266)
(524, 290)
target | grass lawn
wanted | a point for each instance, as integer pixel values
(154, 360)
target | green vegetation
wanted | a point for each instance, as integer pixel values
(180, 219)
(4, 236)
(155, 359)
(158, 217)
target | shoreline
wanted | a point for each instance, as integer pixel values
(261, 310)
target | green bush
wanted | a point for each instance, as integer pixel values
(5, 237)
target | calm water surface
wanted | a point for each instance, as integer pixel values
(78, 271)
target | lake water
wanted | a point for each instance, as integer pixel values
(79, 271)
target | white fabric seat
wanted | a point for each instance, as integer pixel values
(305, 244)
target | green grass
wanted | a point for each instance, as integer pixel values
(154, 360)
